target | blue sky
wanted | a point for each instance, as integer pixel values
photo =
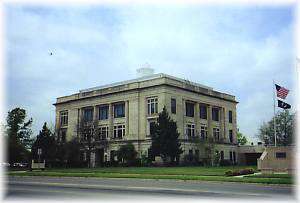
(235, 49)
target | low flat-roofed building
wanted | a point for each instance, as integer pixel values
(124, 112)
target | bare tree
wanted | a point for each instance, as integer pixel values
(87, 132)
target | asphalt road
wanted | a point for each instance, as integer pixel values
(104, 188)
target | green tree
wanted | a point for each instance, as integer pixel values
(72, 153)
(241, 139)
(45, 140)
(285, 123)
(18, 135)
(165, 141)
(207, 146)
(127, 153)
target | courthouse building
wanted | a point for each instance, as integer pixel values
(125, 112)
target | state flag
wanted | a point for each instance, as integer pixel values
(283, 105)
(281, 91)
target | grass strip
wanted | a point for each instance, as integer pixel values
(153, 176)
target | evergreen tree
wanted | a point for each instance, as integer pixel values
(72, 153)
(165, 141)
(18, 135)
(45, 140)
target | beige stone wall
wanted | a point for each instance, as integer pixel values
(136, 118)
(269, 163)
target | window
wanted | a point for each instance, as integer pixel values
(173, 106)
(119, 110)
(280, 155)
(152, 105)
(190, 130)
(190, 152)
(230, 116)
(197, 153)
(234, 157)
(103, 132)
(119, 131)
(230, 155)
(103, 112)
(203, 132)
(231, 136)
(222, 155)
(216, 133)
(203, 111)
(215, 114)
(189, 109)
(63, 135)
(63, 118)
(88, 115)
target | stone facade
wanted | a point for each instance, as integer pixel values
(136, 103)
(277, 159)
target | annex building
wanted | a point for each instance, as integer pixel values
(125, 112)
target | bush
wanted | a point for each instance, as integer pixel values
(228, 173)
(240, 172)
(146, 161)
(246, 171)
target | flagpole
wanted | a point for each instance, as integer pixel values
(275, 138)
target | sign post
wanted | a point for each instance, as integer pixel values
(39, 154)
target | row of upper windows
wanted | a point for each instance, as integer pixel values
(190, 132)
(103, 112)
(118, 133)
(152, 107)
(215, 112)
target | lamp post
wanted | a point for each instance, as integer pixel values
(39, 154)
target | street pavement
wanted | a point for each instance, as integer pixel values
(112, 188)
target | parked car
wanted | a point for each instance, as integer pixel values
(20, 165)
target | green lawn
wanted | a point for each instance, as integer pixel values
(179, 173)
(198, 171)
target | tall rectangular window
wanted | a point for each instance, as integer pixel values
(190, 130)
(216, 133)
(103, 112)
(63, 134)
(231, 136)
(119, 110)
(222, 155)
(230, 155)
(119, 131)
(230, 116)
(63, 116)
(203, 131)
(203, 111)
(152, 104)
(103, 132)
(173, 106)
(88, 114)
(234, 157)
(215, 114)
(189, 109)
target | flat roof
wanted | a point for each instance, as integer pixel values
(142, 79)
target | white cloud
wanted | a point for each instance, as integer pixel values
(238, 50)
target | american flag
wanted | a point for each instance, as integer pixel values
(281, 91)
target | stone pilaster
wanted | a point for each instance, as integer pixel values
(110, 125)
(127, 119)
(197, 119)
(209, 120)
